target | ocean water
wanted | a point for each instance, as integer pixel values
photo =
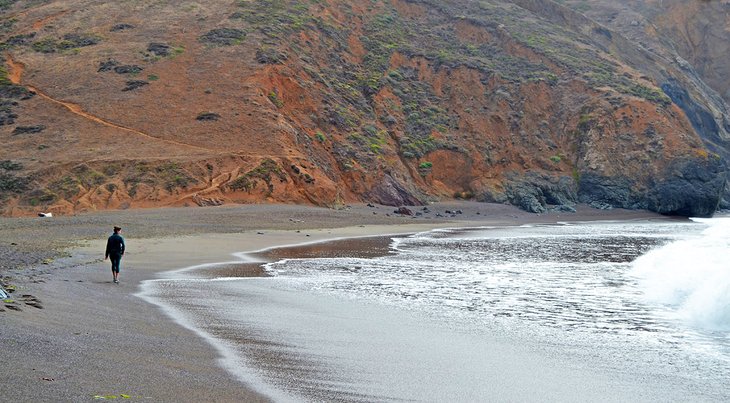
(602, 311)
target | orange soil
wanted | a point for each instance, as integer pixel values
(40, 23)
(15, 70)
(15, 75)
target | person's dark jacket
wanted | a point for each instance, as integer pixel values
(114, 246)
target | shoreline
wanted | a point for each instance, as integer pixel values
(90, 328)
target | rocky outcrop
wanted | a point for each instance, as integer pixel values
(688, 188)
(390, 192)
(702, 120)
(691, 188)
(682, 45)
(609, 191)
(539, 193)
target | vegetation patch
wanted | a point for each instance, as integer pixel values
(169, 176)
(134, 84)
(87, 176)
(174, 176)
(7, 25)
(266, 171)
(344, 118)
(355, 85)
(28, 129)
(207, 116)
(14, 92)
(8, 165)
(424, 168)
(107, 65)
(121, 27)
(68, 42)
(68, 187)
(4, 79)
(371, 139)
(274, 98)
(271, 55)
(111, 169)
(549, 43)
(10, 183)
(47, 45)
(159, 49)
(650, 94)
(7, 116)
(16, 40)
(6, 4)
(275, 18)
(223, 36)
(80, 40)
(576, 175)
(41, 197)
(423, 115)
(139, 173)
(132, 69)
(384, 34)
(10, 92)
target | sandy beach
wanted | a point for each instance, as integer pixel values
(73, 335)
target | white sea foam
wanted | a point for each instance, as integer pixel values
(692, 276)
(546, 304)
(154, 292)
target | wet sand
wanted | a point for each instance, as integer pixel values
(94, 338)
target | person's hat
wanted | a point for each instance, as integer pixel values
(117, 228)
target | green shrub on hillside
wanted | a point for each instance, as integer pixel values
(274, 18)
(4, 79)
(68, 187)
(6, 4)
(15, 40)
(223, 36)
(424, 168)
(68, 42)
(274, 98)
(12, 184)
(8, 165)
(265, 172)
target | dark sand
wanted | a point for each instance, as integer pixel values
(94, 338)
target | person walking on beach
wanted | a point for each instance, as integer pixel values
(115, 251)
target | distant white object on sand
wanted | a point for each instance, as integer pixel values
(45, 214)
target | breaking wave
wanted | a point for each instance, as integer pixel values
(691, 277)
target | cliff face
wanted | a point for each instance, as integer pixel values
(533, 103)
(683, 47)
(697, 31)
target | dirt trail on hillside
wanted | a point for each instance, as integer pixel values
(15, 70)
(42, 22)
(214, 184)
(15, 75)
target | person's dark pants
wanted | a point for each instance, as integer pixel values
(116, 259)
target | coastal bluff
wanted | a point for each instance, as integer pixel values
(534, 103)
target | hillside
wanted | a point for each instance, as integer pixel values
(540, 104)
(696, 32)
